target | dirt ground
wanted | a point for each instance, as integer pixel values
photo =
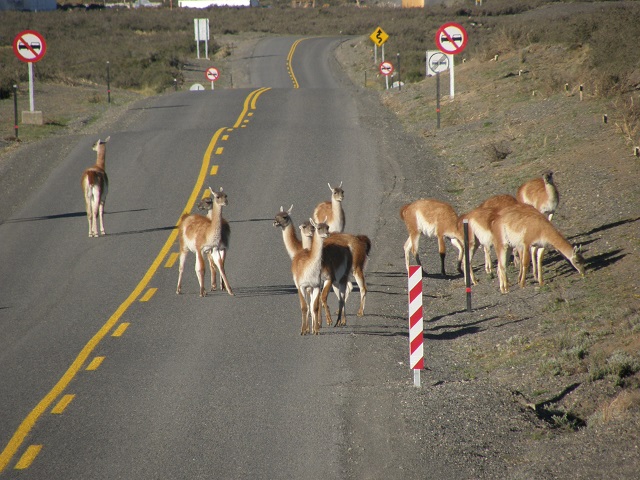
(541, 382)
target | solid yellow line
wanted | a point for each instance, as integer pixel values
(28, 457)
(62, 404)
(120, 330)
(172, 260)
(30, 420)
(289, 59)
(95, 363)
(147, 296)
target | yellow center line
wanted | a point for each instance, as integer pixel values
(118, 332)
(62, 404)
(147, 296)
(289, 59)
(19, 436)
(95, 363)
(28, 457)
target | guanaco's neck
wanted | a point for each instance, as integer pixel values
(291, 241)
(101, 156)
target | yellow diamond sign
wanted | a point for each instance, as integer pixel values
(379, 36)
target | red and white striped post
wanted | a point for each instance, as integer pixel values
(416, 351)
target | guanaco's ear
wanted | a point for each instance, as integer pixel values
(107, 139)
(211, 190)
(312, 222)
(290, 208)
(330, 187)
(340, 186)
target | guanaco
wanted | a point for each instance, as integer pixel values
(431, 217)
(541, 193)
(306, 268)
(95, 185)
(332, 210)
(336, 261)
(206, 236)
(521, 227)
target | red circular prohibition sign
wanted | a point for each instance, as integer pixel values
(29, 46)
(451, 38)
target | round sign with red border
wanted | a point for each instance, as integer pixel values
(29, 46)
(386, 68)
(212, 74)
(451, 38)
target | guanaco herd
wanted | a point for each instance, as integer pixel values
(324, 257)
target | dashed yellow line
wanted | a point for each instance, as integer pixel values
(95, 363)
(28, 457)
(172, 260)
(62, 404)
(25, 427)
(120, 330)
(147, 296)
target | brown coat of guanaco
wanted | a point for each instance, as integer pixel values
(359, 246)
(541, 193)
(431, 218)
(95, 186)
(521, 227)
(331, 212)
(206, 236)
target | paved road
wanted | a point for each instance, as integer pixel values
(215, 387)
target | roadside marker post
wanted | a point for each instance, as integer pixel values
(467, 263)
(416, 348)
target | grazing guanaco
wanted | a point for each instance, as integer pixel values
(206, 236)
(541, 193)
(332, 210)
(521, 227)
(306, 268)
(431, 217)
(95, 185)
(480, 224)
(336, 261)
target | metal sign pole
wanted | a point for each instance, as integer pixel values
(438, 99)
(31, 101)
(15, 109)
(452, 89)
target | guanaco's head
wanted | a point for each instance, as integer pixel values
(577, 260)
(336, 192)
(220, 198)
(100, 144)
(306, 229)
(548, 177)
(282, 219)
(321, 229)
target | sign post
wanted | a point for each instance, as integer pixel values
(29, 46)
(378, 37)
(386, 69)
(212, 75)
(416, 348)
(201, 30)
(451, 38)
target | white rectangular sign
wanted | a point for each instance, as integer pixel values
(438, 62)
(201, 29)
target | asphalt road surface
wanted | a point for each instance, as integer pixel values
(106, 372)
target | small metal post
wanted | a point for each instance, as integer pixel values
(467, 263)
(438, 99)
(175, 84)
(108, 85)
(15, 109)
(399, 79)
